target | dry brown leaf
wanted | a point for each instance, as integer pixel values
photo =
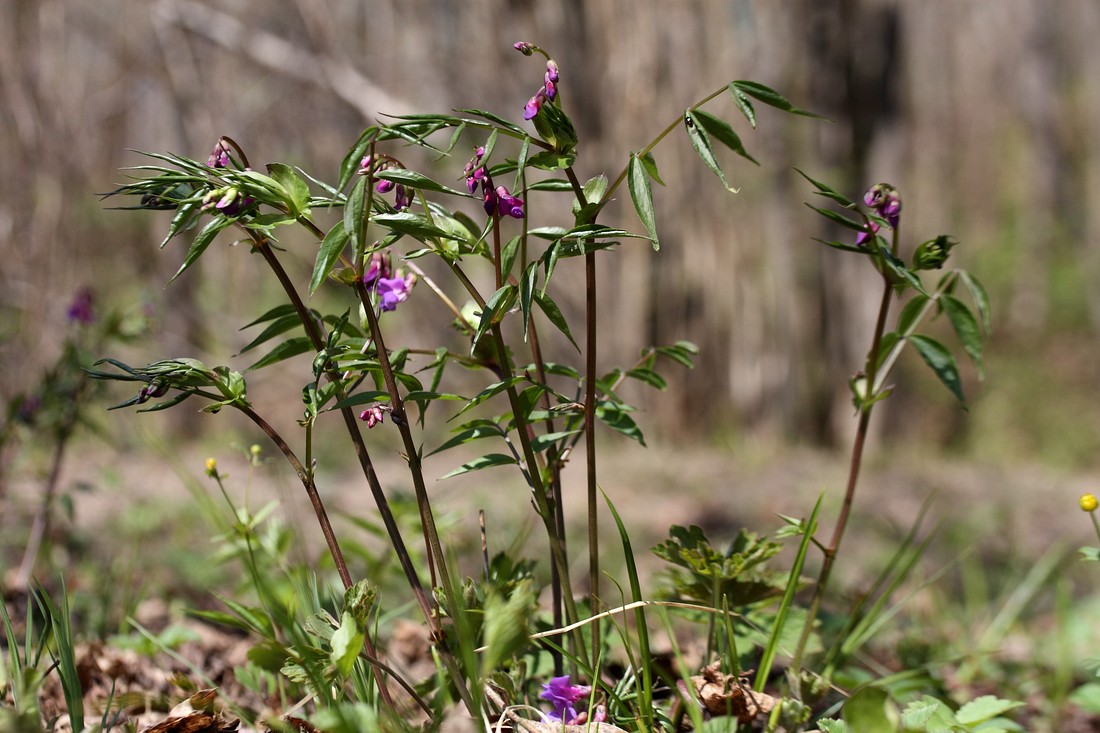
(197, 722)
(727, 694)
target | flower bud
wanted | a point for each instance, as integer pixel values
(1088, 503)
(212, 467)
(524, 47)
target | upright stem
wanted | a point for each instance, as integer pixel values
(590, 421)
(310, 485)
(41, 526)
(854, 464)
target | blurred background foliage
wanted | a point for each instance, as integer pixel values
(983, 114)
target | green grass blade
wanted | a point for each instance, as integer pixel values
(639, 616)
(788, 598)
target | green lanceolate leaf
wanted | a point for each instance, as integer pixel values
(201, 241)
(966, 328)
(409, 223)
(554, 315)
(475, 431)
(354, 210)
(828, 192)
(721, 131)
(487, 461)
(701, 142)
(853, 224)
(412, 179)
(287, 349)
(346, 643)
(770, 97)
(495, 307)
(744, 104)
(490, 391)
(331, 248)
(980, 298)
(910, 312)
(297, 190)
(641, 193)
(937, 357)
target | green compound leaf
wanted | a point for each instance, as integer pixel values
(721, 131)
(966, 328)
(697, 134)
(487, 461)
(769, 96)
(616, 417)
(941, 361)
(642, 194)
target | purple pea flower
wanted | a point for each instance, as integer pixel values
(394, 290)
(81, 309)
(379, 267)
(534, 104)
(564, 697)
(219, 158)
(886, 203)
(507, 204)
(402, 199)
(524, 47)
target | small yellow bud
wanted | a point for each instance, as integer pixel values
(255, 449)
(212, 467)
(1088, 503)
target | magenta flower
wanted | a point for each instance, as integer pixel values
(372, 416)
(379, 267)
(524, 47)
(534, 104)
(564, 697)
(507, 204)
(81, 310)
(886, 203)
(219, 158)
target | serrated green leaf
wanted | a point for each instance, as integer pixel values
(870, 710)
(329, 253)
(701, 142)
(346, 643)
(297, 190)
(984, 708)
(201, 241)
(770, 97)
(641, 193)
(487, 461)
(941, 361)
(721, 131)
(966, 328)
